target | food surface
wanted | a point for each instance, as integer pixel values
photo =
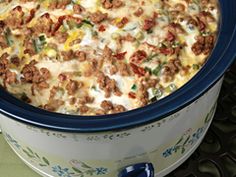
(95, 57)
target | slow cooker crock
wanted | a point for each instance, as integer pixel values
(173, 125)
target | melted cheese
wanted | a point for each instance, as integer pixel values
(91, 5)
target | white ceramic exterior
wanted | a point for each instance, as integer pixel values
(163, 143)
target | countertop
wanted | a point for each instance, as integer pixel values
(11, 165)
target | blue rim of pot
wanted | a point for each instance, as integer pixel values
(221, 58)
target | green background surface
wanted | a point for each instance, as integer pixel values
(10, 164)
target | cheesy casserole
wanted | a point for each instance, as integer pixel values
(95, 57)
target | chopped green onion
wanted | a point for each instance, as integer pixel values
(94, 88)
(36, 47)
(94, 33)
(171, 88)
(85, 22)
(157, 92)
(75, 2)
(72, 24)
(42, 38)
(39, 43)
(175, 44)
(153, 99)
(149, 31)
(195, 66)
(163, 45)
(79, 25)
(205, 33)
(139, 36)
(65, 26)
(8, 38)
(157, 70)
(25, 98)
(148, 69)
(134, 87)
(196, 1)
(150, 57)
(130, 29)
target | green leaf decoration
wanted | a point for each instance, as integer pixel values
(207, 118)
(46, 161)
(180, 140)
(90, 172)
(183, 150)
(84, 165)
(186, 141)
(36, 155)
(30, 151)
(27, 153)
(177, 148)
(76, 170)
(42, 165)
(209, 115)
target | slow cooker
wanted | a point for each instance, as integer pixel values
(145, 142)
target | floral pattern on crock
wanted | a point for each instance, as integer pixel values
(184, 142)
(189, 138)
(76, 168)
(41, 161)
(12, 141)
(79, 169)
(111, 136)
(66, 172)
(46, 132)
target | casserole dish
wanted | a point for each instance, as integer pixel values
(154, 139)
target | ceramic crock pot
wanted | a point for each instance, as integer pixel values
(146, 142)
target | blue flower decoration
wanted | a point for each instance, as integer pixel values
(101, 171)
(168, 152)
(63, 172)
(198, 134)
(11, 140)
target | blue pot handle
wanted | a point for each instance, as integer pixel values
(138, 170)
